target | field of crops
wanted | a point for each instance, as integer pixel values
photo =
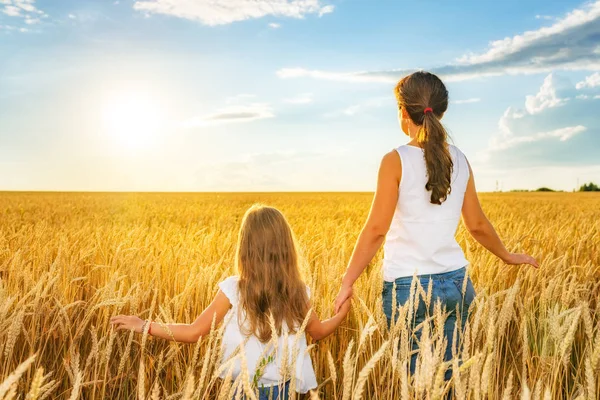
(70, 261)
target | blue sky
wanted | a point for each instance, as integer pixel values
(278, 95)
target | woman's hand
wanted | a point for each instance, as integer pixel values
(344, 294)
(517, 259)
(127, 322)
(345, 308)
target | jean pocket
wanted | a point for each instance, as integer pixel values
(394, 293)
(468, 294)
(387, 286)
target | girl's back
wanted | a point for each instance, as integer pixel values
(265, 361)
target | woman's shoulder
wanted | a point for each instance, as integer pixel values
(461, 163)
(406, 147)
(229, 287)
(454, 147)
(457, 151)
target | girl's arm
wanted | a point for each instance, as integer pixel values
(318, 329)
(187, 333)
(378, 223)
(482, 230)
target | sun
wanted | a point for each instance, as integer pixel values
(132, 119)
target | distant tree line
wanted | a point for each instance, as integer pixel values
(542, 189)
(589, 187)
(586, 187)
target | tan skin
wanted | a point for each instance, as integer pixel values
(190, 333)
(382, 210)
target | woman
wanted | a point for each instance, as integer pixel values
(422, 189)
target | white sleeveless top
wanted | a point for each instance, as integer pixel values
(421, 235)
(255, 351)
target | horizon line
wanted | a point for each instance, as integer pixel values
(252, 192)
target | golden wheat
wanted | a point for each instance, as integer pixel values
(69, 261)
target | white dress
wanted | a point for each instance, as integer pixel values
(257, 352)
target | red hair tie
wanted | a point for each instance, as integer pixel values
(428, 109)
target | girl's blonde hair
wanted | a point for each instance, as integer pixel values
(270, 281)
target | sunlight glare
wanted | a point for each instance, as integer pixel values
(133, 120)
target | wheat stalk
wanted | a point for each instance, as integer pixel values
(366, 370)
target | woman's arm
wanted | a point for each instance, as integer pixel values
(318, 329)
(187, 333)
(378, 223)
(482, 230)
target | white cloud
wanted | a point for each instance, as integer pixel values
(362, 107)
(562, 134)
(372, 103)
(391, 76)
(353, 110)
(580, 24)
(590, 81)
(212, 12)
(326, 10)
(549, 94)
(12, 11)
(23, 9)
(274, 25)
(334, 76)
(72, 16)
(570, 43)
(304, 98)
(467, 101)
(26, 5)
(545, 17)
(232, 114)
(557, 126)
(239, 98)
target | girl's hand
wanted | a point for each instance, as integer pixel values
(127, 322)
(344, 294)
(517, 259)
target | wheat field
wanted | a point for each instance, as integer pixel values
(70, 261)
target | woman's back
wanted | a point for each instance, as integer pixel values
(421, 235)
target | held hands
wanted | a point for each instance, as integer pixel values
(342, 298)
(127, 322)
(517, 259)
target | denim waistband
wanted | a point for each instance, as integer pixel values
(457, 273)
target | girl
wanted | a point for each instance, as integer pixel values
(422, 189)
(268, 295)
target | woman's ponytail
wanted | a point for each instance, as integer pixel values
(425, 99)
(439, 163)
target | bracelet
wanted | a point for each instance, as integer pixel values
(147, 322)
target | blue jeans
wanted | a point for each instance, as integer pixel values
(276, 392)
(446, 287)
